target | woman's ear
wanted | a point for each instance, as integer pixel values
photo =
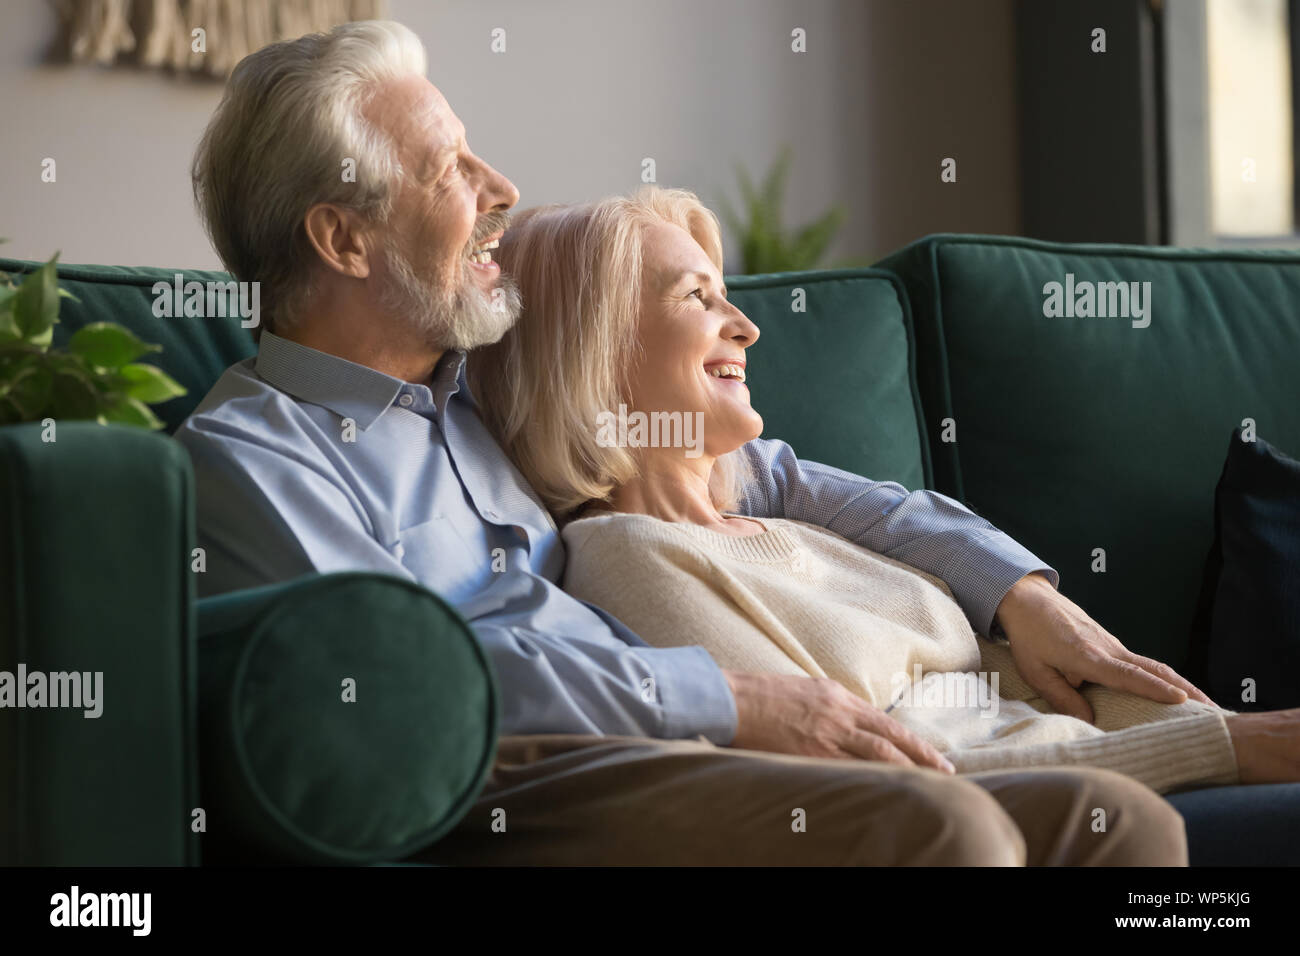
(340, 239)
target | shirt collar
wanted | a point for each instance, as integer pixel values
(345, 388)
(449, 378)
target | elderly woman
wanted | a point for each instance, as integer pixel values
(626, 316)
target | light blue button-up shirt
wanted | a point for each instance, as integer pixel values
(305, 462)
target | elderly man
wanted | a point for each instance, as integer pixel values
(338, 177)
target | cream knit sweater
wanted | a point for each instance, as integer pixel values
(798, 599)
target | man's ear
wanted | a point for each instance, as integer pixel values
(340, 239)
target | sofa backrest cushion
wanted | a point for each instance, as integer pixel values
(835, 379)
(832, 372)
(1079, 435)
(195, 351)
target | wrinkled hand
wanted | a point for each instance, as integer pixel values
(819, 717)
(1057, 647)
(1266, 745)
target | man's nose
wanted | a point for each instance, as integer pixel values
(498, 193)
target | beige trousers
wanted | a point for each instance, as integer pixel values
(575, 800)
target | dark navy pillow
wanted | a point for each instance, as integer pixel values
(1248, 619)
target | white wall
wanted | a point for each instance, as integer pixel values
(585, 90)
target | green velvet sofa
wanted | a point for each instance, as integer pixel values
(227, 734)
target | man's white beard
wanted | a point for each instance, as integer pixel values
(460, 318)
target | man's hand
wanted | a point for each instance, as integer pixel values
(1057, 647)
(819, 717)
(1266, 745)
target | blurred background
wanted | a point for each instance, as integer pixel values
(1076, 120)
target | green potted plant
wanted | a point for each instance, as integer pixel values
(94, 376)
(765, 243)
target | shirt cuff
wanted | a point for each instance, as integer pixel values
(693, 693)
(982, 574)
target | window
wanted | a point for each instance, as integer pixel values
(1230, 108)
(1252, 170)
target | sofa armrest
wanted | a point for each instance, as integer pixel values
(96, 528)
(344, 718)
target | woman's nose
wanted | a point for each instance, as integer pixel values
(741, 330)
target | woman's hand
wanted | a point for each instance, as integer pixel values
(819, 717)
(1057, 647)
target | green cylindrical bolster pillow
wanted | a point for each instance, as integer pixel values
(344, 718)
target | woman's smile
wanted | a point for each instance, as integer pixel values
(732, 371)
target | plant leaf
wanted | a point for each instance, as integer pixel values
(28, 389)
(774, 188)
(765, 245)
(74, 395)
(8, 327)
(9, 414)
(811, 242)
(132, 411)
(36, 304)
(108, 345)
(149, 384)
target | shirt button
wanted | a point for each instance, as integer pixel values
(406, 401)
(490, 514)
(399, 552)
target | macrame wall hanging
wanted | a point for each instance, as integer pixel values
(196, 36)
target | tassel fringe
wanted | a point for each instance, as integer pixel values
(105, 31)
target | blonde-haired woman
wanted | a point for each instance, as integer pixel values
(582, 266)
(625, 310)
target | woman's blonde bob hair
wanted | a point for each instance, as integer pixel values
(569, 357)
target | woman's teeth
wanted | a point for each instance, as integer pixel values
(728, 371)
(481, 254)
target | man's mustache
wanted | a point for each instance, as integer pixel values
(488, 224)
